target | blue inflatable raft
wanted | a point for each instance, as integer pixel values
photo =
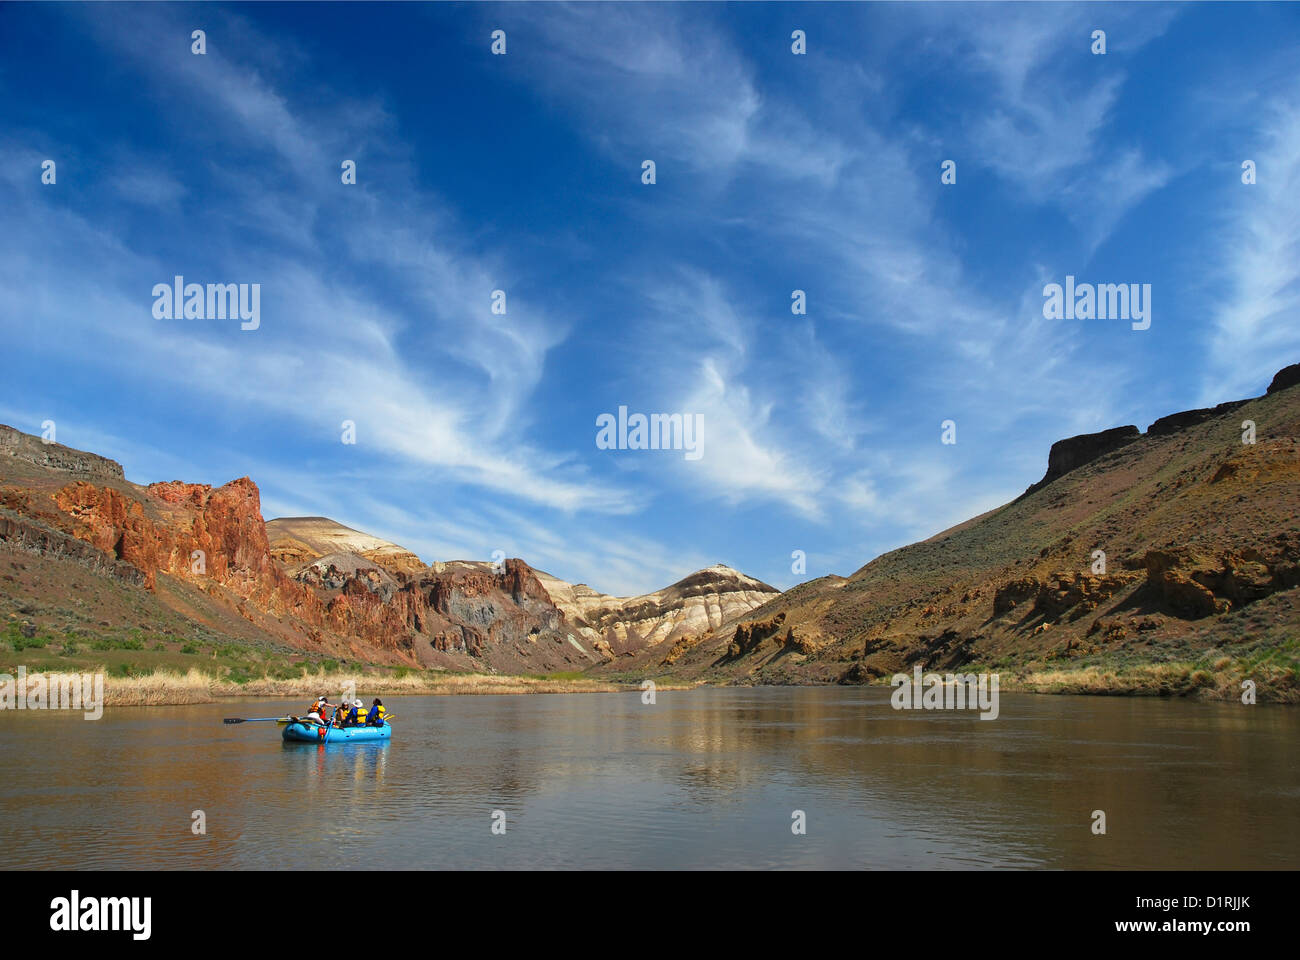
(315, 733)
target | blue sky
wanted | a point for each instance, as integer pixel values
(775, 172)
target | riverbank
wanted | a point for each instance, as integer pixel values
(1159, 680)
(1223, 680)
(172, 672)
(172, 688)
(168, 688)
(167, 674)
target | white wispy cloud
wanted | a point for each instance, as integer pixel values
(1254, 329)
(704, 363)
(329, 349)
(676, 89)
(1046, 129)
(865, 225)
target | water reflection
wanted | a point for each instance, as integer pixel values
(704, 778)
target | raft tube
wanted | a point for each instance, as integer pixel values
(315, 733)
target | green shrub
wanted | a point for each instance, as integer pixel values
(239, 674)
(190, 648)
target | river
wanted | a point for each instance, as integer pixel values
(706, 778)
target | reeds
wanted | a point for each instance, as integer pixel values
(194, 686)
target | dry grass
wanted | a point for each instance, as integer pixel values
(1221, 682)
(157, 689)
(163, 687)
(170, 687)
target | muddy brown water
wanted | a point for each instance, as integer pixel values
(707, 778)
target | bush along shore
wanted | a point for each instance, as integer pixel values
(1268, 671)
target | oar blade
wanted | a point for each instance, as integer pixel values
(257, 720)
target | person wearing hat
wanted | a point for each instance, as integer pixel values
(375, 717)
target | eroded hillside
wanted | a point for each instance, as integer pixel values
(1201, 551)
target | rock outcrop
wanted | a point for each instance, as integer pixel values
(1190, 418)
(1074, 452)
(55, 456)
(1285, 378)
(692, 606)
(750, 637)
(337, 570)
(1193, 586)
(37, 539)
(1056, 595)
(473, 609)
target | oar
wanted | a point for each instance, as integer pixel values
(256, 720)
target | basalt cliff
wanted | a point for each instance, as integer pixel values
(1177, 545)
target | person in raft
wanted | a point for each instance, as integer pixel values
(375, 718)
(319, 710)
(343, 716)
(358, 713)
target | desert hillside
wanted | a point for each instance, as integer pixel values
(1201, 546)
(296, 541)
